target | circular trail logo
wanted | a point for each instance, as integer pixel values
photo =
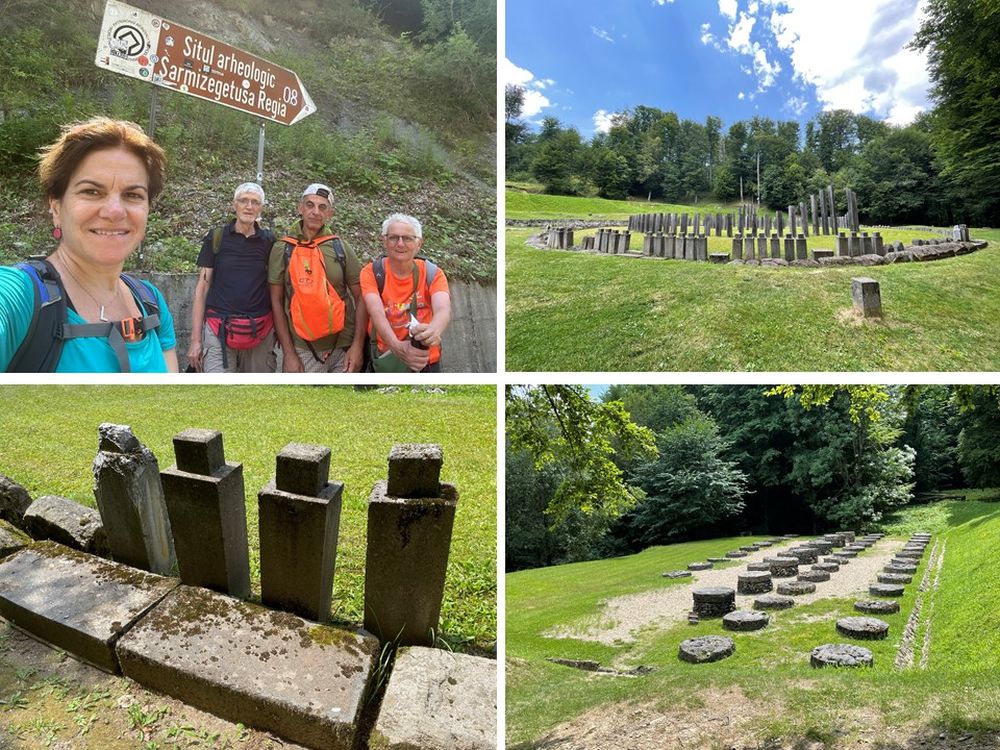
(127, 40)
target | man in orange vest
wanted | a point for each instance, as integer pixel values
(412, 310)
(340, 351)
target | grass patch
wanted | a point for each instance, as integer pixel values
(55, 430)
(959, 690)
(582, 312)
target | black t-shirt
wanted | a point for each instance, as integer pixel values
(239, 279)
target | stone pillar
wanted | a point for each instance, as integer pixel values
(697, 224)
(867, 246)
(855, 245)
(626, 238)
(833, 209)
(866, 296)
(789, 248)
(825, 220)
(669, 242)
(299, 522)
(684, 223)
(718, 225)
(701, 248)
(791, 220)
(879, 247)
(815, 218)
(130, 499)
(843, 248)
(801, 247)
(762, 245)
(208, 516)
(775, 246)
(568, 239)
(647, 245)
(804, 218)
(738, 247)
(410, 519)
(729, 225)
(748, 246)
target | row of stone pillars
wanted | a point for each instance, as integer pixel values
(193, 516)
(796, 248)
(684, 247)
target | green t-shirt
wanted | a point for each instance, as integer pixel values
(335, 274)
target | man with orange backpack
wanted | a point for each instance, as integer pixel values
(408, 301)
(319, 318)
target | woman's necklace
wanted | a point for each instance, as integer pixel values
(113, 299)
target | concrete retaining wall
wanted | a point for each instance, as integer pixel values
(470, 343)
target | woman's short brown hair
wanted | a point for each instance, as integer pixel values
(80, 138)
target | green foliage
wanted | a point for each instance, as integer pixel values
(477, 18)
(657, 407)
(931, 429)
(978, 452)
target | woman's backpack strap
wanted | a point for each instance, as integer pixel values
(41, 347)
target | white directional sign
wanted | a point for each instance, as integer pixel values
(143, 45)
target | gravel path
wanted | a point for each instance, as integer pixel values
(623, 615)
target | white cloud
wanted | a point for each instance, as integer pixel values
(766, 72)
(706, 34)
(855, 58)
(739, 35)
(741, 96)
(796, 104)
(728, 9)
(603, 120)
(534, 100)
(739, 40)
(601, 34)
(662, 2)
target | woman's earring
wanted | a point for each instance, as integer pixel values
(57, 233)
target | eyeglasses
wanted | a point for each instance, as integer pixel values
(406, 239)
(248, 202)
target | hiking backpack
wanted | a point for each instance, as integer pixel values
(378, 269)
(49, 328)
(315, 307)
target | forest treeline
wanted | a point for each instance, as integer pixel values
(944, 168)
(659, 464)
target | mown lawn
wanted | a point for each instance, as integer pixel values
(568, 311)
(52, 441)
(959, 691)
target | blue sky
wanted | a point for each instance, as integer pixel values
(583, 60)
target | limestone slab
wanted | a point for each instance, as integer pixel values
(437, 700)
(11, 539)
(246, 663)
(76, 602)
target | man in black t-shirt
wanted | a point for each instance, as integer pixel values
(232, 328)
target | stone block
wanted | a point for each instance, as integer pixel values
(866, 296)
(130, 499)
(302, 469)
(74, 601)
(789, 248)
(415, 468)
(11, 539)
(737, 247)
(713, 601)
(298, 549)
(208, 515)
(843, 247)
(406, 560)
(820, 253)
(801, 248)
(437, 700)
(14, 500)
(248, 664)
(707, 648)
(67, 522)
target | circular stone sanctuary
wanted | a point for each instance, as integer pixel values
(773, 601)
(840, 655)
(877, 606)
(714, 601)
(745, 620)
(754, 582)
(706, 648)
(863, 628)
(796, 588)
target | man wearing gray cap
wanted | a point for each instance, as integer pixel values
(319, 318)
(232, 326)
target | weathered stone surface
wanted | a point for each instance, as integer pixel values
(253, 665)
(14, 500)
(877, 606)
(837, 558)
(814, 575)
(130, 499)
(898, 567)
(783, 567)
(759, 566)
(885, 589)
(866, 295)
(910, 554)
(199, 451)
(754, 582)
(718, 559)
(773, 601)
(846, 554)
(700, 566)
(743, 620)
(796, 588)
(713, 601)
(437, 700)
(826, 567)
(805, 555)
(706, 648)
(736, 554)
(75, 601)
(822, 546)
(415, 470)
(894, 578)
(302, 469)
(67, 522)
(677, 574)
(863, 628)
(840, 655)
(406, 560)
(11, 539)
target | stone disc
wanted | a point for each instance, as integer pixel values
(840, 655)
(877, 606)
(773, 601)
(759, 567)
(699, 566)
(863, 628)
(706, 648)
(814, 576)
(745, 620)
(894, 578)
(885, 589)
(900, 568)
(828, 567)
(796, 588)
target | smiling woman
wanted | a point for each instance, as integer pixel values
(75, 311)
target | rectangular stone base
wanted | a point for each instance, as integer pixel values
(74, 601)
(437, 700)
(246, 663)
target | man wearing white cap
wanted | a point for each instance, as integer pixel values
(336, 342)
(232, 327)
